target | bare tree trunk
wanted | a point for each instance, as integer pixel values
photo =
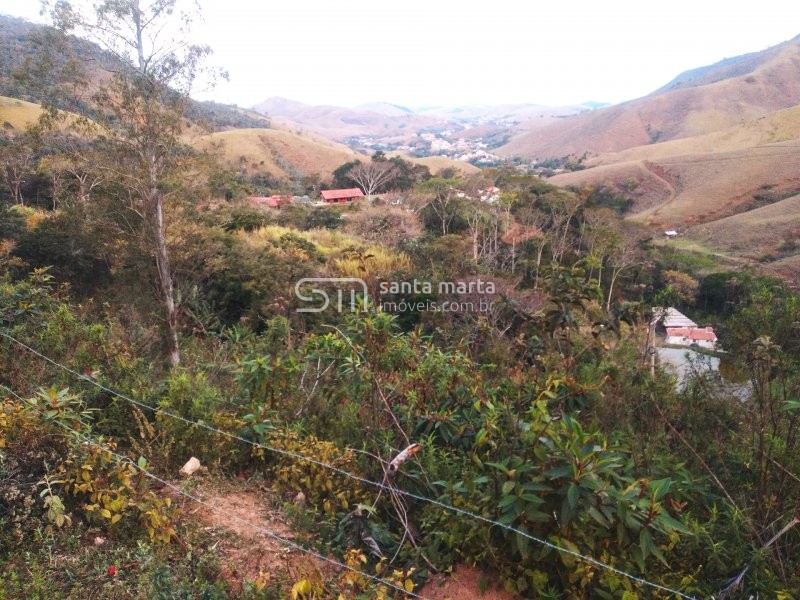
(539, 253)
(164, 270)
(513, 255)
(614, 273)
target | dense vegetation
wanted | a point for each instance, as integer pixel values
(536, 411)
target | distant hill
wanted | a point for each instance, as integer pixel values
(715, 154)
(439, 163)
(385, 108)
(683, 190)
(727, 68)
(339, 123)
(18, 47)
(697, 102)
(248, 139)
(393, 123)
(281, 154)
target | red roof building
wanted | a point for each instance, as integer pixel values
(696, 334)
(338, 196)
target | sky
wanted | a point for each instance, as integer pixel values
(446, 52)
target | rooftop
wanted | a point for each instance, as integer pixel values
(671, 317)
(693, 333)
(338, 194)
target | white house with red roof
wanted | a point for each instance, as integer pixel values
(691, 336)
(680, 330)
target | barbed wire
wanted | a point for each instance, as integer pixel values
(124, 459)
(293, 455)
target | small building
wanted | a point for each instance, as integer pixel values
(692, 336)
(341, 196)
(679, 330)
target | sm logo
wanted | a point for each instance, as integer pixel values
(316, 291)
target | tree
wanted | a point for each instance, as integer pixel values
(17, 161)
(626, 254)
(140, 104)
(372, 175)
(442, 200)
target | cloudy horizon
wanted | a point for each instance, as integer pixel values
(450, 54)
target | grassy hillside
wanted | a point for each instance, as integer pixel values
(779, 126)
(281, 153)
(21, 43)
(698, 188)
(728, 99)
(764, 233)
(438, 163)
(18, 113)
(339, 123)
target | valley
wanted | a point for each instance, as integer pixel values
(311, 351)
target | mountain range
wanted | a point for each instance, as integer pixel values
(714, 152)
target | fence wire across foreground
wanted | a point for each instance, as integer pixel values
(124, 459)
(295, 456)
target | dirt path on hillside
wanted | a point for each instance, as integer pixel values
(237, 515)
(239, 520)
(466, 583)
(661, 175)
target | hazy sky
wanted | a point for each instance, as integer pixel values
(418, 52)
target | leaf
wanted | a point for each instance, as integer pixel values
(506, 501)
(559, 472)
(532, 498)
(301, 589)
(660, 488)
(646, 543)
(116, 518)
(672, 524)
(791, 405)
(522, 545)
(573, 493)
(499, 467)
(598, 516)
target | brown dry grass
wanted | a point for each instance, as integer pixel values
(18, 113)
(681, 191)
(778, 126)
(674, 114)
(438, 163)
(756, 233)
(282, 153)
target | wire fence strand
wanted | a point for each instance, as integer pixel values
(295, 456)
(124, 459)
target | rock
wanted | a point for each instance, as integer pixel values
(190, 467)
(99, 541)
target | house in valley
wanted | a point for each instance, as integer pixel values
(679, 330)
(342, 196)
(704, 337)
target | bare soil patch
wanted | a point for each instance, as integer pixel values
(240, 519)
(465, 583)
